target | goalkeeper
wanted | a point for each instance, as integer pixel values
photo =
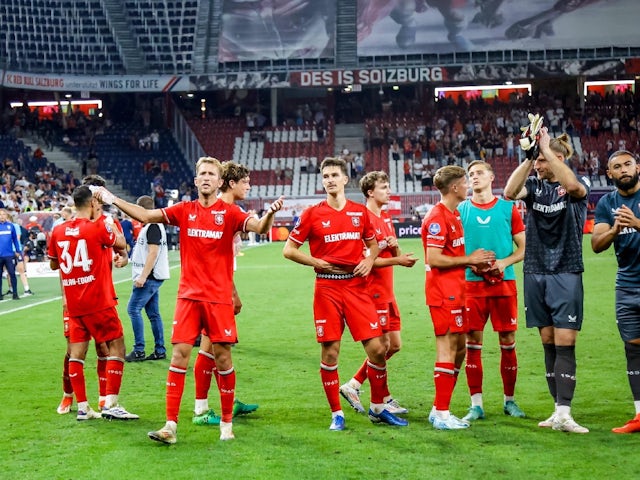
(556, 202)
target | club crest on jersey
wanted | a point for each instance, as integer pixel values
(561, 191)
(434, 228)
(219, 219)
(355, 221)
(320, 331)
(459, 321)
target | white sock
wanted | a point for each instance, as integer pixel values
(563, 411)
(111, 401)
(443, 414)
(507, 398)
(476, 400)
(636, 403)
(171, 425)
(202, 406)
(337, 413)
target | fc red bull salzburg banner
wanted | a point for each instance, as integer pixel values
(368, 76)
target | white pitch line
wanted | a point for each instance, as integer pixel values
(49, 300)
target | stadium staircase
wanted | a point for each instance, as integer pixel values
(132, 58)
(65, 162)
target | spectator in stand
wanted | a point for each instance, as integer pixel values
(418, 168)
(408, 176)
(155, 140)
(158, 193)
(395, 151)
(358, 162)
(510, 146)
(304, 164)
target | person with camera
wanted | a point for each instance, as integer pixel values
(34, 249)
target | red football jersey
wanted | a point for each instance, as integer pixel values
(442, 228)
(380, 280)
(206, 248)
(82, 249)
(335, 236)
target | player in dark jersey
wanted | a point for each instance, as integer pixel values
(556, 203)
(337, 230)
(618, 222)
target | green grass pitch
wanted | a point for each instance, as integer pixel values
(277, 363)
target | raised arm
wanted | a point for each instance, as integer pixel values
(264, 224)
(560, 169)
(135, 211)
(515, 189)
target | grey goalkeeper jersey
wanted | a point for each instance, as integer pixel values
(554, 226)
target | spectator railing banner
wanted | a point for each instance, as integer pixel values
(277, 30)
(86, 83)
(433, 74)
(389, 27)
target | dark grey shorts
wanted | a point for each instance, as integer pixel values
(628, 312)
(553, 300)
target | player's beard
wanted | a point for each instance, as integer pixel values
(626, 184)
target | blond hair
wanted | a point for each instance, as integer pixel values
(562, 145)
(446, 175)
(211, 161)
(482, 163)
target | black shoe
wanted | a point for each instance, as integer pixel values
(135, 356)
(156, 356)
(16, 297)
